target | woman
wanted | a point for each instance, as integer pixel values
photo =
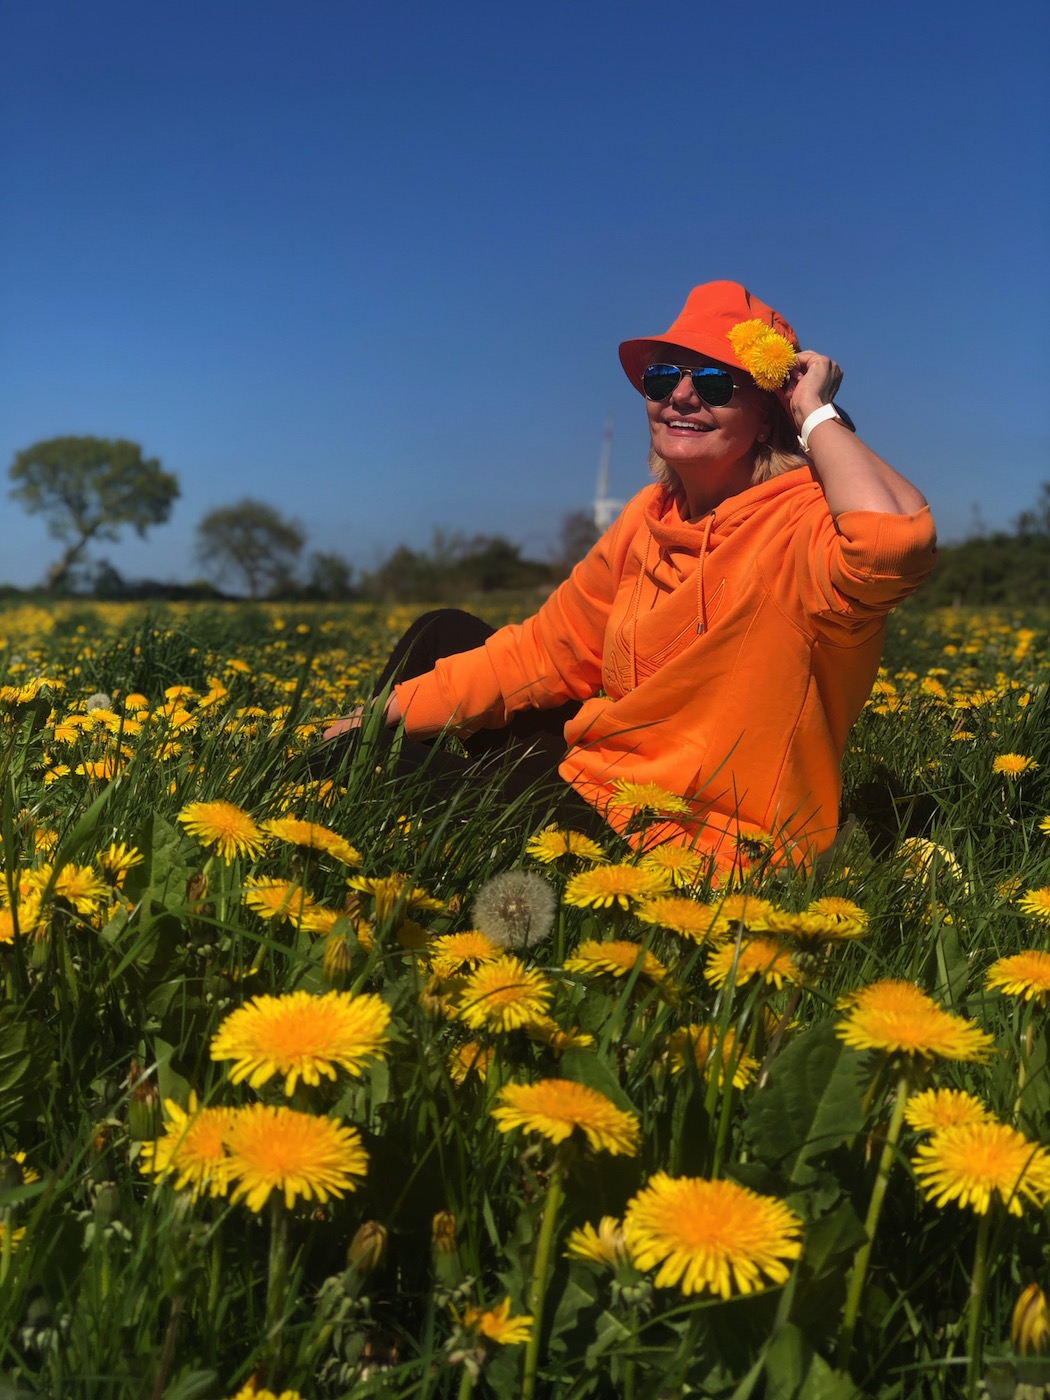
(722, 636)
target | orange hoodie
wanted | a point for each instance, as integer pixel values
(723, 659)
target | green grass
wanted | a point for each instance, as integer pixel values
(123, 1286)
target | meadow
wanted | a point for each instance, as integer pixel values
(313, 1087)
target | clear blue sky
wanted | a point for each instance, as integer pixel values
(371, 262)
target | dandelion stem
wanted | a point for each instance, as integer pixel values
(976, 1306)
(538, 1285)
(863, 1254)
(466, 1384)
(277, 1276)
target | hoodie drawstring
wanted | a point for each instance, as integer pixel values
(701, 592)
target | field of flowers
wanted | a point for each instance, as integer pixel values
(312, 1087)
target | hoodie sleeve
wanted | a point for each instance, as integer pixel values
(551, 657)
(858, 567)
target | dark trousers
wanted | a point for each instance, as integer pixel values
(522, 757)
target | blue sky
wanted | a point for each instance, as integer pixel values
(371, 263)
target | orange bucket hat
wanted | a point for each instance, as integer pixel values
(724, 322)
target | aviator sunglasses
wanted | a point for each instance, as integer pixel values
(713, 386)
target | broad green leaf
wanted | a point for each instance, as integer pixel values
(812, 1103)
(585, 1068)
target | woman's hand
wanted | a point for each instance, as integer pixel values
(391, 717)
(813, 382)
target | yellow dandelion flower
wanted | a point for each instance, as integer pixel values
(712, 1236)
(607, 1245)
(685, 867)
(1036, 903)
(921, 856)
(712, 1054)
(557, 1108)
(551, 844)
(302, 1036)
(1029, 1322)
(935, 1109)
(1024, 975)
(503, 995)
(607, 885)
(469, 1058)
(828, 920)
(757, 957)
(647, 797)
(392, 892)
(78, 885)
(736, 911)
(1044, 825)
(455, 952)
(973, 1162)
(546, 1031)
(752, 842)
(17, 1235)
(768, 356)
(744, 334)
(1012, 765)
(313, 837)
(192, 1149)
(29, 915)
(1008, 886)
(317, 918)
(497, 1324)
(617, 957)
(220, 824)
(116, 860)
(298, 1154)
(682, 916)
(896, 1017)
(276, 899)
(28, 1174)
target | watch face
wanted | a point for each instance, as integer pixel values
(847, 421)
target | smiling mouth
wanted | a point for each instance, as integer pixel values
(692, 427)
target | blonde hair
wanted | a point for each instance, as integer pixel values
(778, 454)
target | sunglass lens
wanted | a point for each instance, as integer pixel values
(714, 386)
(659, 381)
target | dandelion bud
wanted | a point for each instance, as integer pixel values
(196, 888)
(1030, 1324)
(144, 1110)
(367, 1248)
(335, 964)
(443, 1232)
(515, 909)
(445, 1260)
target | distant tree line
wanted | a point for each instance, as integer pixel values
(998, 567)
(88, 489)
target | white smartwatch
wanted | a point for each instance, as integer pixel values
(819, 415)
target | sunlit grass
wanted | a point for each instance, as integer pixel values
(170, 858)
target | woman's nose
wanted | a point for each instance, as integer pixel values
(683, 392)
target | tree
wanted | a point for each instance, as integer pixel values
(87, 488)
(578, 534)
(251, 541)
(329, 576)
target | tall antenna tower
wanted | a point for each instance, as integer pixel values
(605, 508)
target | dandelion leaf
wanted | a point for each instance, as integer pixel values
(27, 1055)
(811, 1105)
(585, 1068)
(794, 1371)
(164, 872)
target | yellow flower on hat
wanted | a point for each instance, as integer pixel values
(767, 355)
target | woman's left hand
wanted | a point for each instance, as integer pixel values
(813, 382)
